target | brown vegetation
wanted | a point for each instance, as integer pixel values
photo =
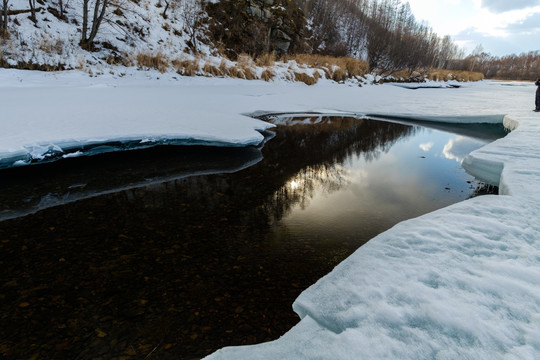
(305, 78)
(335, 68)
(158, 61)
(267, 75)
(268, 59)
(187, 67)
(459, 75)
(525, 66)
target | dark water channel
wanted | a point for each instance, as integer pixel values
(175, 252)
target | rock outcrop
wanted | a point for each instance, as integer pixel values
(259, 26)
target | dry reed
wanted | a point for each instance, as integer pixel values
(305, 78)
(158, 61)
(187, 67)
(267, 74)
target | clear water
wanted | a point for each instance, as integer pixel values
(175, 252)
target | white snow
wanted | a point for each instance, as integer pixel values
(462, 282)
(130, 27)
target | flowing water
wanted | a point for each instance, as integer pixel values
(175, 252)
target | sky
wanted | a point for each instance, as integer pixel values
(501, 27)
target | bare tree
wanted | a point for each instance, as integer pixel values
(98, 13)
(32, 4)
(192, 14)
(61, 9)
(170, 4)
(4, 17)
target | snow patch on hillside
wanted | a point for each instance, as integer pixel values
(128, 29)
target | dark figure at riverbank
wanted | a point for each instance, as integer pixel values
(537, 102)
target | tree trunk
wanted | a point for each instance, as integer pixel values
(164, 14)
(87, 39)
(84, 38)
(4, 16)
(32, 4)
(98, 18)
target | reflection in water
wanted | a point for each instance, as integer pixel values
(459, 147)
(184, 265)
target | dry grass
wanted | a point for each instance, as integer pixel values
(248, 72)
(266, 60)
(245, 68)
(235, 72)
(212, 70)
(187, 67)
(472, 76)
(354, 67)
(406, 74)
(339, 74)
(224, 67)
(128, 59)
(267, 74)
(305, 78)
(158, 61)
(335, 68)
(446, 75)
(51, 46)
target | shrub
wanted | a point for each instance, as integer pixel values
(224, 67)
(267, 74)
(459, 75)
(335, 68)
(268, 59)
(149, 61)
(50, 46)
(187, 67)
(305, 78)
(212, 70)
(246, 65)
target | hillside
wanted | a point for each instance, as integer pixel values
(294, 40)
(128, 30)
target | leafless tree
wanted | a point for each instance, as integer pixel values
(170, 4)
(4, 17)
(191, 13)
(32, 4)
(90, 30)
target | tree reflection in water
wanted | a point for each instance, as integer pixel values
(178, 269)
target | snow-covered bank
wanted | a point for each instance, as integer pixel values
(41, 120)
(461, 282)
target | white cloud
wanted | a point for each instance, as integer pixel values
(503, 27)
(427, 146)
(458, 147)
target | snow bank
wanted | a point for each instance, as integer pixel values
(461, 282)
(42, 121)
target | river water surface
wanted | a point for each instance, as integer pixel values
(175, 252)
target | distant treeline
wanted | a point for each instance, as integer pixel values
(525, 66)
